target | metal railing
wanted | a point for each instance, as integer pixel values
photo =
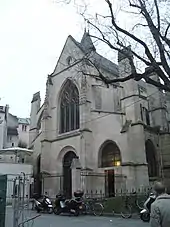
(19, 186)
(31, 220)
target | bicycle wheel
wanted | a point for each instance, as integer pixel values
(140, 203)
(87, 208)
(126, 211)
(97, 209)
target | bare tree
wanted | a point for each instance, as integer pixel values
(149, 39)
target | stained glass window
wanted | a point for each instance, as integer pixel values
(69, 108)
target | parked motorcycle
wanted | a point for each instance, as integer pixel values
(79, 199)
(145, 213)
(44, 205)
(72, 206)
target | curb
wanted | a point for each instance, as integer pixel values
(117, 215)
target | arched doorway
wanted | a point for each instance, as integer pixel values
(110, 157)
(38, 180)
(67, 173)
(151, 159)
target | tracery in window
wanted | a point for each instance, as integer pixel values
(69, 108)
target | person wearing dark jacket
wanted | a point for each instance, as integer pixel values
(160, 209)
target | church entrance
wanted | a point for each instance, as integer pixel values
(37, 178)
(67, 173)
(151, 158)
(109, 158)
(110, 182)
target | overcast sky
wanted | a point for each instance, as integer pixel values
(32, 35)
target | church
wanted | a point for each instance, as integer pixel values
(96, 137)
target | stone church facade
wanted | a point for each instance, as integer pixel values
(96, 137)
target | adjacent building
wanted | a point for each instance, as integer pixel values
(14, 160)
(14, 131)
(3, 125)
(23, 131)
(95, 136)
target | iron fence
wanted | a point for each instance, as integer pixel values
(94, 185)
(98, 184)
(18, 212)
(55, 182)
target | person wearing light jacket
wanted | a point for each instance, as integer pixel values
(160, 209)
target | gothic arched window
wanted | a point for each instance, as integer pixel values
(151, 159)
(110, 155)
(69, 108)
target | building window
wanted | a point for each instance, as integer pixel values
(110, 155)
(12, 144)
(24, 128)
(145, 115)
(69, 60)
(69, 108)
(147, 118)
(142, 91)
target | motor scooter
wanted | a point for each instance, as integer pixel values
(43, 205)
(145, 213)
(63, 205)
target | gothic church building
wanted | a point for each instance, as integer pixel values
(87, 135)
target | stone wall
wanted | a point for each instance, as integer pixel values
(165, 150)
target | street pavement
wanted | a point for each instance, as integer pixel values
(51, 220)
(87, 221)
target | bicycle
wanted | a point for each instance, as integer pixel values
(130, 205)
(138, 203)
(92, 206)
(126, 209)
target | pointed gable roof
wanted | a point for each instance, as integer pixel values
(86, 43)
(86, 46)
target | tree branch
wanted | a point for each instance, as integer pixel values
(147, 51)
(161, 42)
(157, 84)
(158, 14)
(139, 24)
(113, 47)
(136, 55)
(156, 35)
(133, 5)
(166, 31)
(135, 76)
